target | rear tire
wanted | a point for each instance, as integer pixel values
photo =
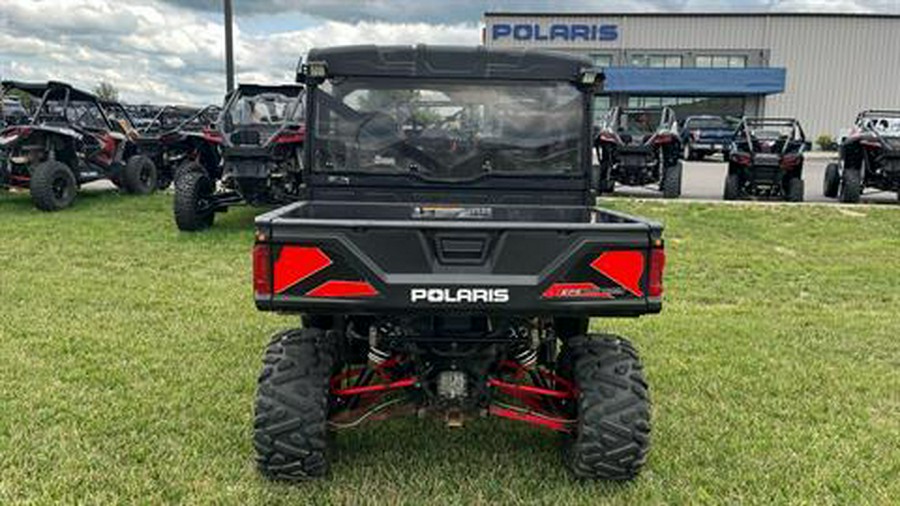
(795, 190)
(139, 176)
(53, 186)
(832, 182)
(732, 187)
(192, 192)
(671, 183)
(612, 436)
(851, 186)
(290, 428)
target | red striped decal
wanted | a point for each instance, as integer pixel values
(296, 263)
(575, 290)
(336, 288)
(623, 267)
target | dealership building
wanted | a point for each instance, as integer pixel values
(820, 68)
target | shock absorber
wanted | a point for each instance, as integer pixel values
(523, 351)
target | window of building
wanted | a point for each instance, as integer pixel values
(602, 60)
(721, 61)
(602, 105)
(656, 60)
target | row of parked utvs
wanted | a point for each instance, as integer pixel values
(246, 152)
(442, 245)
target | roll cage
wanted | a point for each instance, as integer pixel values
(747, 128)
(66, 94)
(618, 121)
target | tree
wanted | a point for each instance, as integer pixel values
(106, 91)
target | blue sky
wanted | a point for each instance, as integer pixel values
(172, 50)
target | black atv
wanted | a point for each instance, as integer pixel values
(640, 147)
(446, 259)
(766, 160)
(172, 137)
(259, 137)
(869, 158)
(69, 141)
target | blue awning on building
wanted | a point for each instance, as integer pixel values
(695, 81)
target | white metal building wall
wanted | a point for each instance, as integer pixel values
(836, 65)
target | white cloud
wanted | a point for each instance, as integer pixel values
(159, 52)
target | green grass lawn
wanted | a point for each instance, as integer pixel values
(129, 354)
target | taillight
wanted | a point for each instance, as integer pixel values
(657, 265)
(664, 138)
(742, 159)
(213, 136)
(789, 161)
(288, 138)
(16, 132)
(261, 269)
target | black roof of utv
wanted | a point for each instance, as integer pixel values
(438, 62)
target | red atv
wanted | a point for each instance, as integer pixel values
(70, 141)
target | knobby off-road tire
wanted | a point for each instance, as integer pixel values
(290, 431)
(192, 191)
(612, 437)
(832, 182)
(732, 187)
(795, 189)
(671, 183)
(851, 186)
(139, 176)
(52, 185)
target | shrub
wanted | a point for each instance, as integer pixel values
(826, 142)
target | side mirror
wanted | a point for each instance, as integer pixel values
(807, 146)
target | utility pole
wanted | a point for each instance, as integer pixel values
(229, 48)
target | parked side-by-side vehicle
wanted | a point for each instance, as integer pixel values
(446, 257)
(766, 160)
(869, 158)
(259, 139)
(640, 147)
(69, 141)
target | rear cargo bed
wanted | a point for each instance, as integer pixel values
(397, 257)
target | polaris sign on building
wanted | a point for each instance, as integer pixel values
(563, 32)
(820, 68)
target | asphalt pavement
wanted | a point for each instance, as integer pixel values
(706, 181)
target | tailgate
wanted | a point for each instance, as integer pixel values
(610, 264)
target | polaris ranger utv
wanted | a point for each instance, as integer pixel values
(870, 158)
(68, 142)
(640, 147)
(766, 160)
(447, 245)
(259, 138)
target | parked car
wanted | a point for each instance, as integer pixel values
(68, 142)
(259, 136)
(766, 160)
(869, 158)
(640, 147)
(702, 136)
(449, 242)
